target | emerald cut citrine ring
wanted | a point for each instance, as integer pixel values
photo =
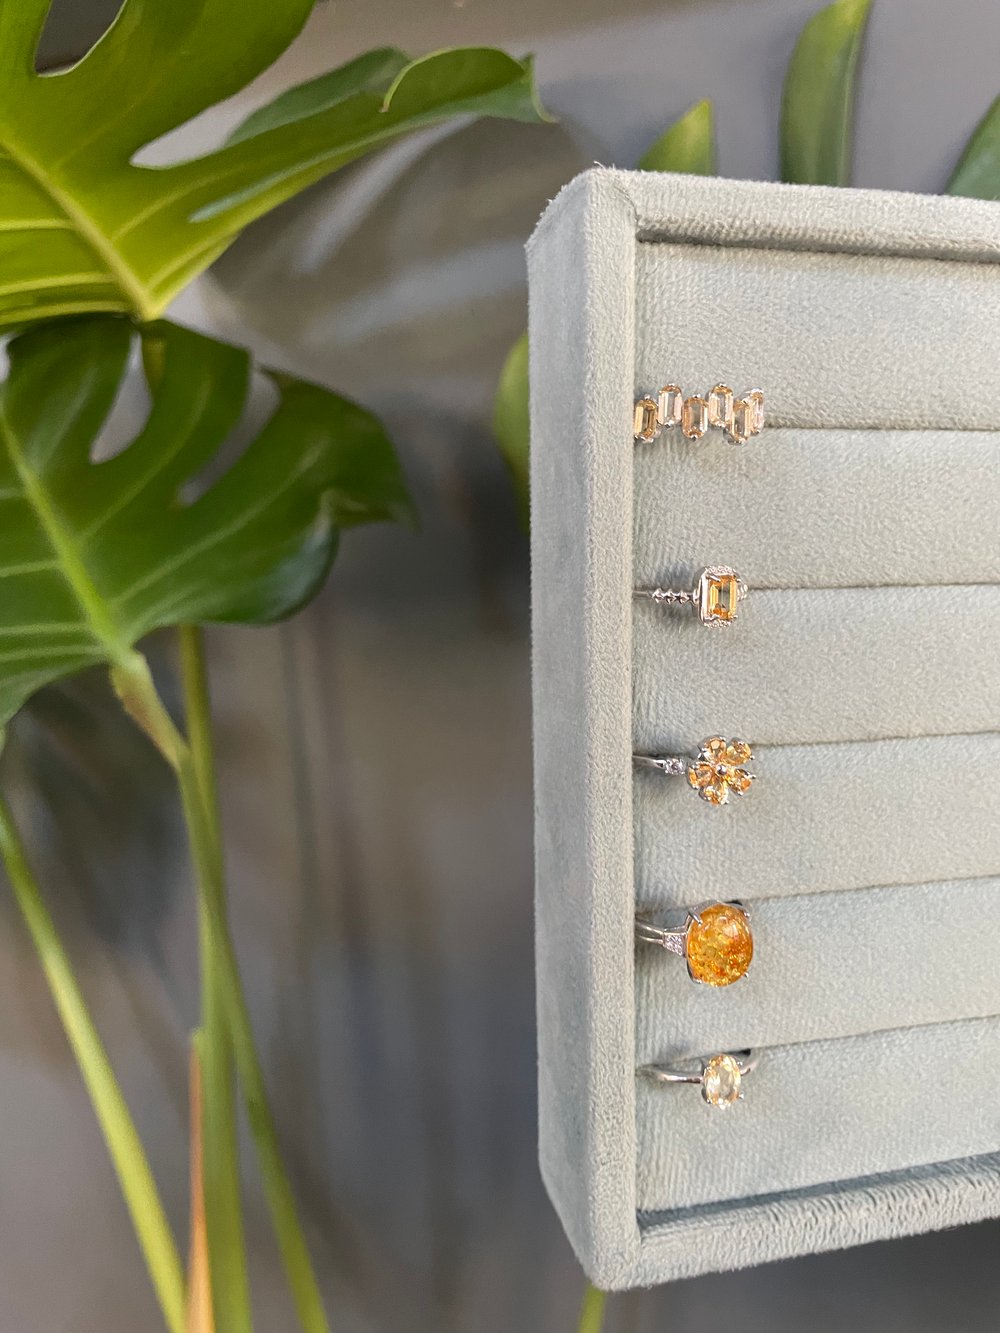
(716, 597)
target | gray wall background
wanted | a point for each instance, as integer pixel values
(376, 752)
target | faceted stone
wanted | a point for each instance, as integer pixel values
(694, 417)
(715, 793)
(720, 597)
(741, 425)
(669, 405)
(720, 405)
(739, 780)
(756, 400)
(645, 426)
(702, 775)
(721, 1081)
(738, 752)
(719, 944)
(714, 748)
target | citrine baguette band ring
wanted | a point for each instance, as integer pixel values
(720, 1077)
(716, 596)
(738, 418)
(716, 772)
(715, 941)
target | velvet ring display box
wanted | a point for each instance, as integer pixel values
(864, 669)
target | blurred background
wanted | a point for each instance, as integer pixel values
(375, 753)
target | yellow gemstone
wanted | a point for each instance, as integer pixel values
(756, 400)
(644, 425)
(715, 793)
(702, 775)
(741, 426)
(720, 405)
(739, 780)
(669, 405)
(738, 752)
(719, 945)
(694, 417)
(721, 1083)
(715, 749)
(720, 597)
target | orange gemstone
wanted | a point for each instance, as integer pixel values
(721, 597)
(694, 417)
(740, 780)
(702, 775)
(738, 752)
(714, 749)
(719, 945)
(715, 793)
(741, 425)
(645, 427)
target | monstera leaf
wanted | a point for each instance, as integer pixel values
(95, 555)
(85, 228)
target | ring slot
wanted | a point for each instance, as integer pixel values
(798, 668)
(823, 818)
(831, 966)
(807, 1113)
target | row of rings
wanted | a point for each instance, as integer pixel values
(715, 940)
(738, 418)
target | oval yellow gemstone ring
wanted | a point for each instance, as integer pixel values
(715, 597)
(715, 941)
(720, 1078)
(716, 772)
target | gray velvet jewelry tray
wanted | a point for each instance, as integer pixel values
(863, 669)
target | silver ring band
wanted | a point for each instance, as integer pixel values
(720, 1077)
(716, 597)
(716, 942)
(716, 772)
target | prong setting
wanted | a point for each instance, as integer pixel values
(738, 418)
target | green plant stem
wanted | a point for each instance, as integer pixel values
(124, 1146)
(192, 762)
(592, 1310)
(227, 1259)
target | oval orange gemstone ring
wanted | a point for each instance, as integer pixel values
(715, 940)
(715, 597)
(715, 773)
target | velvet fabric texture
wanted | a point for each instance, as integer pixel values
(862, 669)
